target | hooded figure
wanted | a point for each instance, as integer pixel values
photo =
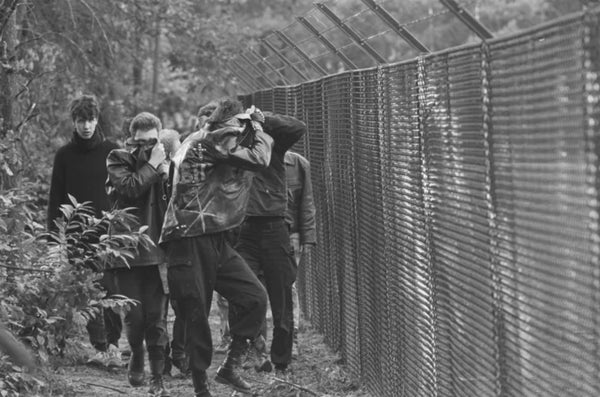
(212, 176)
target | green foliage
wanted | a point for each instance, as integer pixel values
(49, 281)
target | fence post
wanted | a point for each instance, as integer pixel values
(244, 72)
(424, 112)
(263, 60)
(363, 45)
(326, 42)
(245, 58)
(497, 278)
(400, 30)
(242, 78)
(283, 58)
(465, 17)
(283, 37)
(592, 114)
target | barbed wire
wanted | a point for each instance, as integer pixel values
(326, 29)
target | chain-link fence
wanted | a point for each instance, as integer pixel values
(457, 215)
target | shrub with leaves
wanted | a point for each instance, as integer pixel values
(49, 280)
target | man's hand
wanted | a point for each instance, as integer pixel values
(158, 155)
(163, 170)
(256, 114)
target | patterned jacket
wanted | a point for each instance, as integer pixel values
(212, 175)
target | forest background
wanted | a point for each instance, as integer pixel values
(164, 56)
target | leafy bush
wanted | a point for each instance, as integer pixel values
(49, 280)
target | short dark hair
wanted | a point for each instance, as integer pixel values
(207, 109)
(220, 111)
(84, 107)
(144, 121)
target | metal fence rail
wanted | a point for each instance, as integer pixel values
(457, 215)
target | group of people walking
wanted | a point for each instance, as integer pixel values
(215, 206)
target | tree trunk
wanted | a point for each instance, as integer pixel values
(7, 87)
(7, 83)
(138, 64)
(156, 58)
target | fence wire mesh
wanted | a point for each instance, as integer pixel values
(457, 215)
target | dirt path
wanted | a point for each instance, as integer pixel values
(314, 373)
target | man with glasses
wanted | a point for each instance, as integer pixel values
(137, 178)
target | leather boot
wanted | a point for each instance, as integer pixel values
(135, 368)
(200, 384)
(262, 358)
(157, 388)
(228, 372)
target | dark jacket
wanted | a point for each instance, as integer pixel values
(133, 182)
(79, 170)
(300, 214)
(268, 195)
(211, 182)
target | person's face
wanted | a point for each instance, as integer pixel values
(85, 128)
(174, 148)
(144, 140)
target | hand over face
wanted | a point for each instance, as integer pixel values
(158, 155)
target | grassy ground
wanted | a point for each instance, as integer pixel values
(315, 372)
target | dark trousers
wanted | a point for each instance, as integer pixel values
(264, 242)
(177, 348)
(146, 321)
(199, 265)
(105, 329)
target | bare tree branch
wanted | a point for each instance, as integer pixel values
(26, 269)
(6, 10)
(30, 115)
(105, 387)
(101, 28)
(72, 14)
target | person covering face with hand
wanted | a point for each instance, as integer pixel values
(137, 178)
(211, 182)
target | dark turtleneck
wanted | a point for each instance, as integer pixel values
(87, 144)
(80, 170)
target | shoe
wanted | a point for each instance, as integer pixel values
(223, 345)
(231, 378)
(157, 388)
(259, 361)
(113, 359)
(135, 368)
(263, 365)
(200, 384)
(257, 356)
(227, 373)
(182, 364)
(250, 358)
(281, 370)
(100, 360)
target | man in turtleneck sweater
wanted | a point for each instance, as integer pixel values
(80, 170)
